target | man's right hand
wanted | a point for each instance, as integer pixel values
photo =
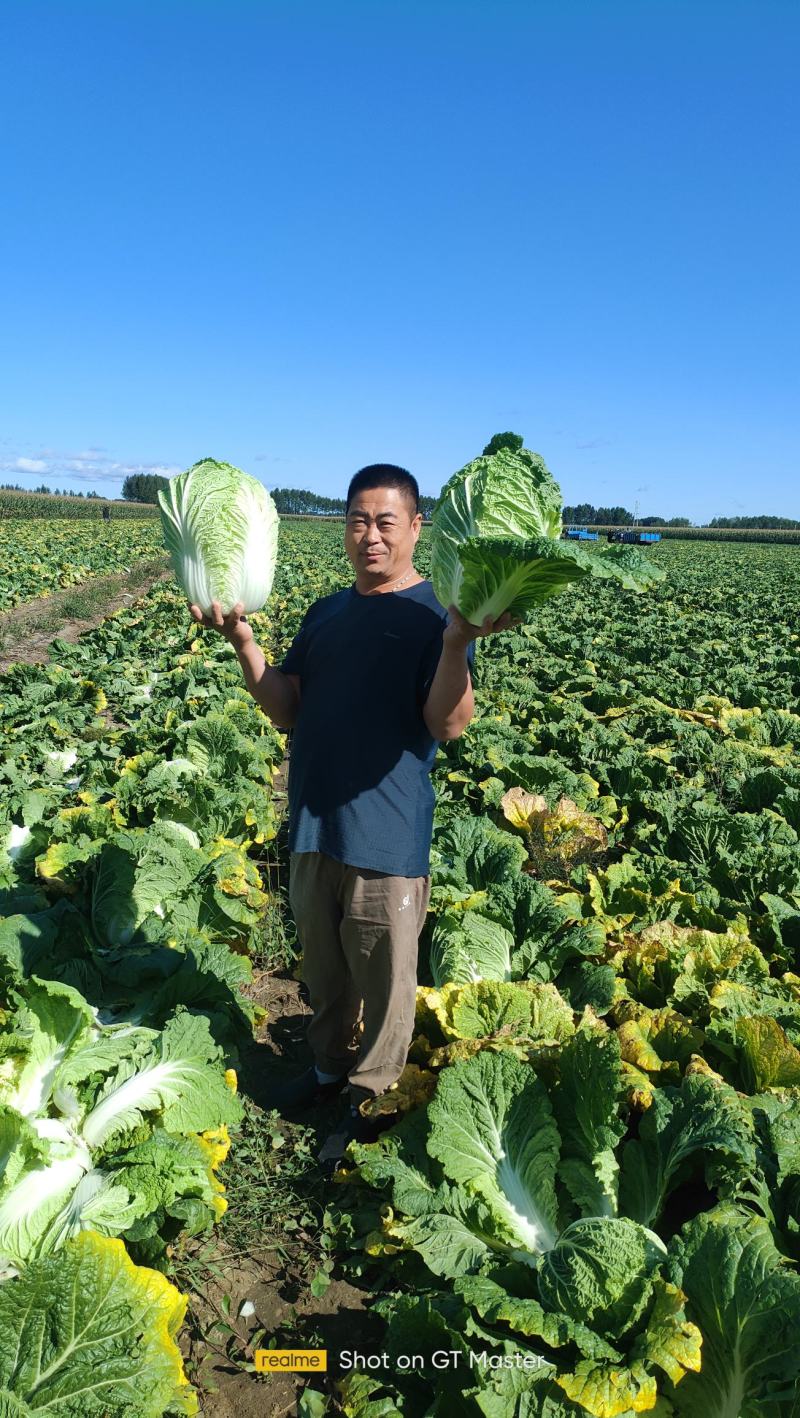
(233, 626)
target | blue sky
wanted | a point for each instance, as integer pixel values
(306, 236)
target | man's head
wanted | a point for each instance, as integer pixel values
(382, 523)
(385, 475)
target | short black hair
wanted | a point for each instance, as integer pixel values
(384, 475)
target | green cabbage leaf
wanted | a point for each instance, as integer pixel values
(87, 1334)
(746, 1300)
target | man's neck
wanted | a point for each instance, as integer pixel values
(398, 581)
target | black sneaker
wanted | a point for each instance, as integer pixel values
(304, 1092)
(352, 1128)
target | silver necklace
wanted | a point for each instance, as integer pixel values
(405, 578)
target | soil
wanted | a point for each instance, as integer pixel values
(275, 1281)
(27, 631)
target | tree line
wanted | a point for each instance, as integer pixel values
(54, 491)
(586, 514)
(748, 522)
(143, 487)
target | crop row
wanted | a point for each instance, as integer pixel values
(37, 558)
(137, 797)
(136, 792)
(48, 505)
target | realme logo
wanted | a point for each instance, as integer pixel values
(273, 1361)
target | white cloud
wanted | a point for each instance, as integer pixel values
(88, 466)
(89, 471)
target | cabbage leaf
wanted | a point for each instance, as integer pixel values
(87, 1334)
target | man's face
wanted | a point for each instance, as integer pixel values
(381, 532)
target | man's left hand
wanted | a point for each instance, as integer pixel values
(460, 632)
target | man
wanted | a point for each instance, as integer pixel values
(377, 676)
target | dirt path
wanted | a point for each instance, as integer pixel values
(27, 631)
(274, 1276)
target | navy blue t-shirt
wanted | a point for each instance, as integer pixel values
(359, 774)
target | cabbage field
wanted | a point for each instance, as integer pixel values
(589, 1201)
(42, 556)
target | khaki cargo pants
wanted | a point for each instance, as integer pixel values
(359, 931)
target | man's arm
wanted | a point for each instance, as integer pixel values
(450, 704)
(276, 693)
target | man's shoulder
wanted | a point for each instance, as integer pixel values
(328, 605)
(425, 594)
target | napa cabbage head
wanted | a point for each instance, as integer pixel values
(600, 1272)
(495, 541)
(221, 529)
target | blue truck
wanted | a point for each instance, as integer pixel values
(637, 535)
(580, 534)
